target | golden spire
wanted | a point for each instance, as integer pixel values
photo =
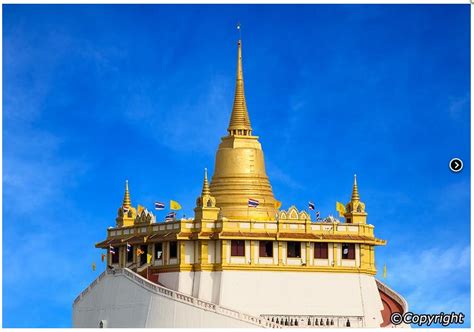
(126, 198)
(355, 191)
(205, 185)
(239, 121)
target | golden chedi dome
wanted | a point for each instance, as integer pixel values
(239, 172)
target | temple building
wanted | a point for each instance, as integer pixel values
(241, 261)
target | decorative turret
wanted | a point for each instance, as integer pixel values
(205, 200)
(355, 209)
(206, 204)
(239, 120)
(239, 173)
(126, 213)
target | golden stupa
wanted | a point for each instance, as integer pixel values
(239, 172)
(239, 256)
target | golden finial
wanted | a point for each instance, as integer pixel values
(239, 121)
(205, 185)
(355, 191)
(126, 198)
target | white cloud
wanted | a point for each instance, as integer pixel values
(276, 174)
(458, 105)
(191, 124)
(433, 280)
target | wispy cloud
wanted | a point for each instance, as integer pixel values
(194, 123)
(459, 105)
(277, 175)
(433, 280)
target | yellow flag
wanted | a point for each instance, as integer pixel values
(174, 205)
(385, 271)
(340, 208)
(277, 204)
(140, 209)
(93, 266)
(148, 258)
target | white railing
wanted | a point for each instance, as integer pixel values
(316, 321)
(85, 291)
(184, 298)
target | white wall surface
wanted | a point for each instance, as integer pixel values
(123, 303)
(302, 293)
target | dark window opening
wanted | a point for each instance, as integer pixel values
(159, 250)
(294, 249)
(143, 256)
(130, 254)
(237, 248)
(348, 251)
(266, 249)
(321, 250)
(348, 220)
(174, 249)
(115, 257)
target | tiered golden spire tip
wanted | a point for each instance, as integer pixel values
(126, 198)
(239, 121)
(205, 185)
(355, 190)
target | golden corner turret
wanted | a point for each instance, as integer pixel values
(355, 209)
(239, 172)
(205, 204)
(126, 214)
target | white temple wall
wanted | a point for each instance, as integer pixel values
(121, 303)
(218, 251)
(188, 252)
(275, 252)
(283, 253)
(169, 279)
(208, 285)
(211, 252)
(302, 293)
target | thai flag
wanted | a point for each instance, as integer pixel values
(311, 205)
(159, 206)
(129, 247)
(170, 216)
(112, 250)
(253, 202)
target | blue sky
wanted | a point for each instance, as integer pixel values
(94, 95)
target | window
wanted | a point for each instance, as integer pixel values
(237, 248)
(143, 256)
(348, 251)
(294, 249)
(174, 249)
(266, 249)
(129, 254)
(115, 256)
(159, 250)
(348, 220)
(321, 250)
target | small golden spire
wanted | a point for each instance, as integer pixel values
(205, 185)
(126, 198)
(355, 191)
(239, 121)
